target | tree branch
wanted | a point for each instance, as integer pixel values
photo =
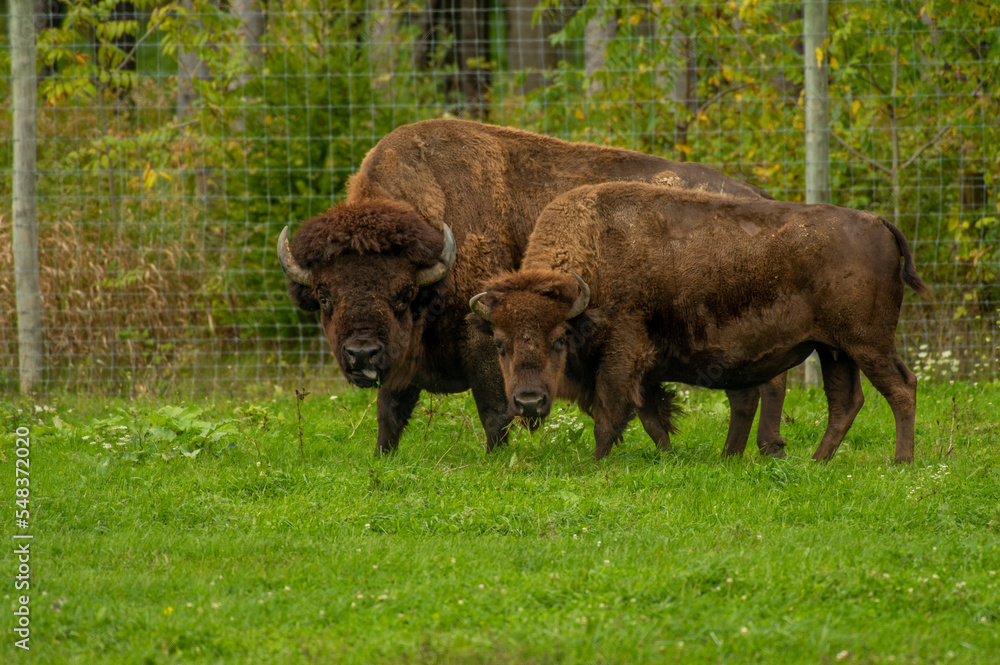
(718, 96)
(859, 155)
(874, 83)
(916, 154)
(937, 137)
(139, 42)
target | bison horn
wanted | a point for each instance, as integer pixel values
(437, 271)
(295, 272)
(582, 300)
(481, 309)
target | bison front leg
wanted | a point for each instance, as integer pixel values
(392, 411)
(494, 416)
(742, 409)
(610, 421)
(618, 387)
(772, 400)
(491, 403)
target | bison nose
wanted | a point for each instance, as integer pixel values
(531, 404)
(361, 357)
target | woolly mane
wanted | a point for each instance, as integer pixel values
(370, 227)
(558, 286)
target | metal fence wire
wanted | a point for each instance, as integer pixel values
(176, 139)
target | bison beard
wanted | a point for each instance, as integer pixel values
(372, 266)
(733, 293)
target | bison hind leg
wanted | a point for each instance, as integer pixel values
(844, 398)
(772, 401)
(898, 385)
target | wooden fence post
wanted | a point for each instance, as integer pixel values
(25, 102)
(814, 33)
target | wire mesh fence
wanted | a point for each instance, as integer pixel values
(176, 139)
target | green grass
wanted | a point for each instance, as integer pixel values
(193, 546)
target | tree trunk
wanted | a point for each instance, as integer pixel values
(383, 23)
(46, 13)
(25, 232)
(600, 30)
(190, 68)
(529, 51)
(425, 21)
(251, 16)
(472, 50)
(686, 82)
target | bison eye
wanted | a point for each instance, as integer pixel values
(559, 344)
(499, 346)
(403, 300)
(323, 301)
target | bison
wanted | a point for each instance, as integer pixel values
(624, 286)
(435, 210)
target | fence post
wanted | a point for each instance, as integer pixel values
(25, 131)
(814, 32)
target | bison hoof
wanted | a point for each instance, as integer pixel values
(775, 449)
(495, 443)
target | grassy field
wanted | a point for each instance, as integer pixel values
(175, 531)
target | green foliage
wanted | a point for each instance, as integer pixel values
(80, 73)
(133, 435)
(907, 85)
(193, 205)
(163, 549)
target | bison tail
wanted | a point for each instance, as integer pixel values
(668, 409)
(910, 276)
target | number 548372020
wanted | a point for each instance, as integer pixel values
(22, 468)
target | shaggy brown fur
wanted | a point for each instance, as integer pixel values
(488, 184)
(388, 228)
(706, 290)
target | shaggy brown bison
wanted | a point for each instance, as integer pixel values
(624, 286)
(436, 209)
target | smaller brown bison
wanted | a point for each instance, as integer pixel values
(627, 285)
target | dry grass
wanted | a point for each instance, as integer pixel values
(124, 271)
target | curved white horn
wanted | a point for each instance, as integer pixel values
(480, 309)
(437, 271)
(295, 272)
(581, 301)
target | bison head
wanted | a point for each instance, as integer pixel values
(532, 318)
(364, 266)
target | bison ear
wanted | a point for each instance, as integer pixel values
(476, 323)
(482, 311)
(302, 296)
(588, 329)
